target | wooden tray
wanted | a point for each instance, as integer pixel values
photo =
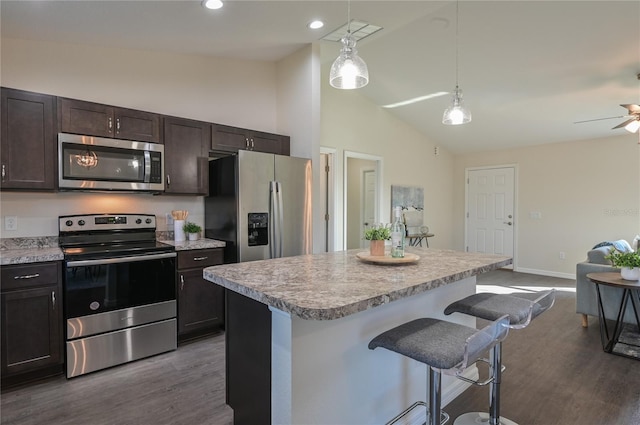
(387, 259)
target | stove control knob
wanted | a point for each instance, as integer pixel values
(138, 221)
(69, 223)
(81, 222)
(148, 221)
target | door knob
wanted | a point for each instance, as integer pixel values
(507, 222)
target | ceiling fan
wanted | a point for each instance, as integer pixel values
(632, 124)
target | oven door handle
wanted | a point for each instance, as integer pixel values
(117, 260)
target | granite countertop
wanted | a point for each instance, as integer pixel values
(197, 244)
(41, 249)
(332, 285)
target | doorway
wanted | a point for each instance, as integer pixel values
(362, 193)
(490, 210)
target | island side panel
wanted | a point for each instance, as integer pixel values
(323, 372)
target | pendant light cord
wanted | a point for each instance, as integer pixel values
(348, 16)
(457, 13)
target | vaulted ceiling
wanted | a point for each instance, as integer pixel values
(528, 69)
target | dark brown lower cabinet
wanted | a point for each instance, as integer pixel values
(200, 302)
(248, 357)
(32, 338)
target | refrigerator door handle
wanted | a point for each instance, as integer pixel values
(272, 218)
(280, 221)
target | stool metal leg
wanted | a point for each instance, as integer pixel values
(493, 418)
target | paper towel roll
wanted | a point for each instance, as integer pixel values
(178, 232)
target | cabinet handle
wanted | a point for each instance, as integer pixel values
(182, 282)
(4, 172)
(110, 124)
(53, 299)
(27, 276)
(246, 142)
(168, 180)
(251, 144)
(117, 125)
(199, 258)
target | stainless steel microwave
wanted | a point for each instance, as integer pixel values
(98, 163)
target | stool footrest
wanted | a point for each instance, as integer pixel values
(444, 417)
(480, 383)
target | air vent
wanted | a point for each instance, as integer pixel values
(359, 30)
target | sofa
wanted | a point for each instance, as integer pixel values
(586, 298)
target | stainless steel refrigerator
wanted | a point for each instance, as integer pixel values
(260, 204)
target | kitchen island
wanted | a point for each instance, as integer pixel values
(298, 330)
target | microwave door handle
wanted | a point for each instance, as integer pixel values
(147, 167)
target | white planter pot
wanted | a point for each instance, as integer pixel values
(193, 236)
(630, 274)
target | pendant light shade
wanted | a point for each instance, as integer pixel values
(349, 70)
(457, 113)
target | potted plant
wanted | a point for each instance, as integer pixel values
(192, 229)
(629, 263)
(376, 235)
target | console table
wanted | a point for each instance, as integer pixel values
(624, 340)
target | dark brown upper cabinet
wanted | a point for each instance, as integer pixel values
(95, 119)
(186, 151)
(27, 140)
(232, 139)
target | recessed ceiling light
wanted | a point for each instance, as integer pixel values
(212, 4)
(314, 25)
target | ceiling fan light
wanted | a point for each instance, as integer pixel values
(633, 126)
(457, 113)
(348, 71)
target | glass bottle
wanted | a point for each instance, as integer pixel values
(397, 235)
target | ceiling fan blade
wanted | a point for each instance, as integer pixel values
(600, 119)
(633, 109)
(624, 123)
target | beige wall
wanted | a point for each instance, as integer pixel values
(350, 122)
(586, 191)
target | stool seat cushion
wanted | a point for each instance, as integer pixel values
(492, 306)
(437, 343)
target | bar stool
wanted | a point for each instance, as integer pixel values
(445, 347)
(520, 309)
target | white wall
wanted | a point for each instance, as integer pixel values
(586, 191)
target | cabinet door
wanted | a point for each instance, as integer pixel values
(137, 125)
(229, 139)
(86, 118)
(31, 329)
(200, 302)
(28, 140)
(269, 143)
(186, 150)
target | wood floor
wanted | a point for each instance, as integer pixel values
(556, 373)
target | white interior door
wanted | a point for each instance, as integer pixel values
(490, 210)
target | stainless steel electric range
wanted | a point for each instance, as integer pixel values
(119, 290)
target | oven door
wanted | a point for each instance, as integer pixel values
(101, 291)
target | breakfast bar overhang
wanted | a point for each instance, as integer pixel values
(314, 367)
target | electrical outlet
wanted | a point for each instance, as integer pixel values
(10, 222)
(561, 255)
(169, 221)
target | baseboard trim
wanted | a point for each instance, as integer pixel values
(546, 273)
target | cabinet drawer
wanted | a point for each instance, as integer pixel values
(200, 258)
(29, 275)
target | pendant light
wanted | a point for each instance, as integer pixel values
(457, 113)
(349, 70)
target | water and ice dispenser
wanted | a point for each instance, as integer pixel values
(258, 232)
